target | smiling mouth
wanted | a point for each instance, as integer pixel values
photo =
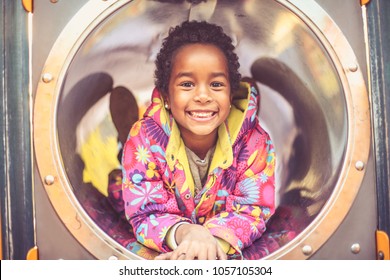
(201, 115)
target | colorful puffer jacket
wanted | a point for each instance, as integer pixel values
(238, 196)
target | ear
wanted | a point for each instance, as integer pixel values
(231, 97)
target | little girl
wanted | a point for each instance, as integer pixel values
(198, 169)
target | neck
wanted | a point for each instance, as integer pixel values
(201, 145)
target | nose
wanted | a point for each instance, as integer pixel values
(203, 94)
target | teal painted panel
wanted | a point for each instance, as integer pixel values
(378, 19)
(15, 160)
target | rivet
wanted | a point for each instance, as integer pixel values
(49, 180)
(54, 1)
(353, 68)
(381, 255)
(113, 258)
(47, 77)
(307, 250)
(355, 248)
(359, 165)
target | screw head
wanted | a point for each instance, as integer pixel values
(47, 78)
(49, 180)
(359, 165)
(307, 250)
(355, 248)
(353, 67)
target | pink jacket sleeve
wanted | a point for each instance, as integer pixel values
(150, 207)
(252, 201)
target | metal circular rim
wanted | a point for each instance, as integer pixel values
(96, 241)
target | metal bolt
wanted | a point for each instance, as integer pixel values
(113, 258)
(49, 180)
(381, 255)
(359, 165)
(307, 250)
(353, 68)
(355, 248)
(47, 77)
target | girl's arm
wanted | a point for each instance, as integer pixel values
(149, 207)
(251, 203)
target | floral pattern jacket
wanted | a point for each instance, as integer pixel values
(238, 197)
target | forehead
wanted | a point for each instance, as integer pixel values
(192, 53)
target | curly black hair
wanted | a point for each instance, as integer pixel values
(193, 32)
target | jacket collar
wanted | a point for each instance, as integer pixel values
(243, 107)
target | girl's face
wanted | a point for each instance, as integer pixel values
(199, 91)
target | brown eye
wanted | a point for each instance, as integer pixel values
(216, 84)
(186, 84)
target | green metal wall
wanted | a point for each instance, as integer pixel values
(378, 21)
(15, 154)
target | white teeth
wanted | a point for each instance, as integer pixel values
(201, 114)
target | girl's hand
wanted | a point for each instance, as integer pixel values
(195, 242)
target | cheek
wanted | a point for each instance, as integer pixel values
(176, 102)
(226, 104)
(177, 107)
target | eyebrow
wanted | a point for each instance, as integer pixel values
(190, 74)
(183, 74)
(219, 74)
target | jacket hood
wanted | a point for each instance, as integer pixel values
(242, 117)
